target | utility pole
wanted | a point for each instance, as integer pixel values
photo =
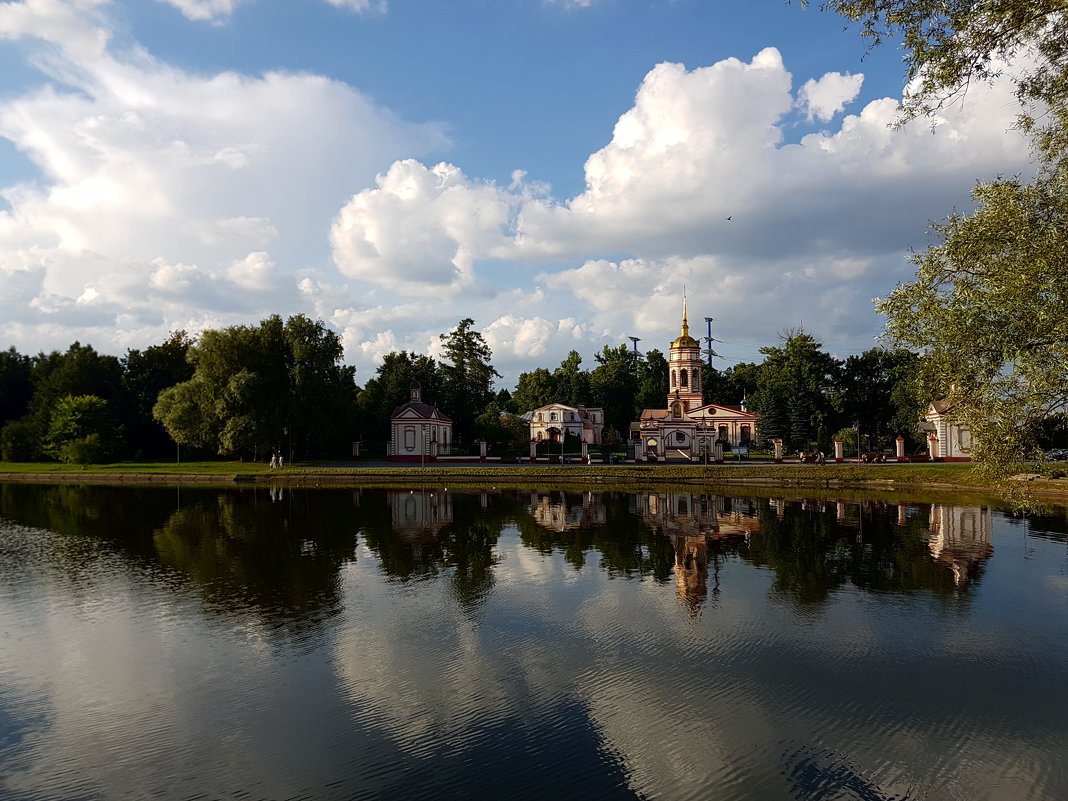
(635, 340)
(709, 352)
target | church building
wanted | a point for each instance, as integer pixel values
(689, 429)
(418, 431)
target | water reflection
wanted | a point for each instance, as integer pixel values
(432, 644)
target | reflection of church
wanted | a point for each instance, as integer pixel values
(552, 511)
(960, 539)
(419, 515)
(694, 523)
(689, 428)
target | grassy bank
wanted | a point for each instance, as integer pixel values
(897, 478)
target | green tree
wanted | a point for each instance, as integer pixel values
(533, 390)
(83, 419)
(986, 308)
(614, 385)
(274, 386)
(80, 370)
(390, 387)
(878, 390)
(796, 396)
(572, 382)
(468, 375)
(147, 373)
(732, 386)
(501, 429)
(16, 385)
(652, 381)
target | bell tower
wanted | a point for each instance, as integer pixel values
(684, 366)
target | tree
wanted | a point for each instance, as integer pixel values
(468, 375)
(16, 386)
(533, 390)
(878, 391)
(78, 371)
(614, 386)
(731, 386)
(261, 388)
(796, 394)
(652, 381)
(986, 308)
(572, 382)
(81, 419)
(147, 373)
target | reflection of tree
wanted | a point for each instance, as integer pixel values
(626, 544)
(280, 559)
(813, 553)
(416, 534)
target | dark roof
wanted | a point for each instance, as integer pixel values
(424, 410)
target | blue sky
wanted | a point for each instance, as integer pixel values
(559, 171)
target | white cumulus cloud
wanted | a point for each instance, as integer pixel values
(822, 98)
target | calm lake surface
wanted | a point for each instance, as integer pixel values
(337, 644)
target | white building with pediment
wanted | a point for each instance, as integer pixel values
(947, 439)
(688, 428)
(418, 431)
(549, 422)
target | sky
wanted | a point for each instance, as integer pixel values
(563, 172)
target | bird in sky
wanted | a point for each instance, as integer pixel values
(729, 218)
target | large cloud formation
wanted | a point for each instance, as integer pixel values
(168, 199)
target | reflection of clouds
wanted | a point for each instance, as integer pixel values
(116, 682)
(409, 675)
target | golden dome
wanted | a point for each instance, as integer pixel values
(685, 340)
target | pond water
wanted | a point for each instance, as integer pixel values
(336, 644)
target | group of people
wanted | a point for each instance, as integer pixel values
(878, 458)
(277, 461)
(815, 457)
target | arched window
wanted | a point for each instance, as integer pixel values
(696, 379)
(552, 417)
(673, 381)
(745, 435)
(723, 434)
(685, 382)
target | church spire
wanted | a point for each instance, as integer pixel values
(685, 325)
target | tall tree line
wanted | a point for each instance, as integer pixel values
(239, 391)
(280, 386)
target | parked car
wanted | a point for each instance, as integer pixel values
(1057, 455)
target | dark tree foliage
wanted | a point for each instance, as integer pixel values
(148, 372)
(16, 386)
(256, 389)
(614, 385)
(390, 387)
(796, 393)
(732, 386)
(54, 376)
(652, 381)
(468, 375)
(534, 389)
(878, 391)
